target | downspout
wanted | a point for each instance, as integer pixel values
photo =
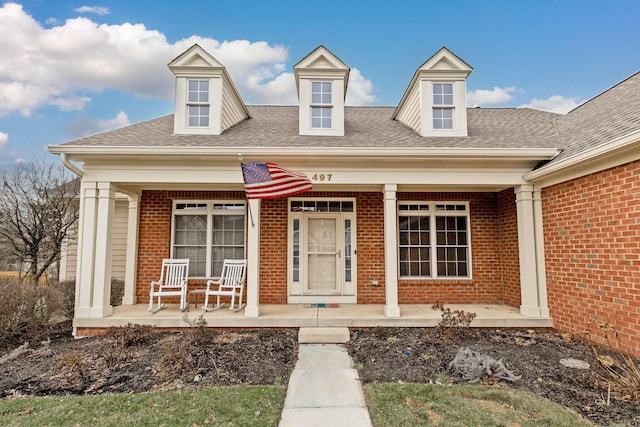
(67, 163)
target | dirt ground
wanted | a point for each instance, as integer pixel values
(132, 359)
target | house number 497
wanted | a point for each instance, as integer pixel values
(321, 177)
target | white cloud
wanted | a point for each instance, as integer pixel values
(84, 126)
(359, 91)
(65, 65)
(4, 139)
(554, 104)
(98, 10)
(484, 97)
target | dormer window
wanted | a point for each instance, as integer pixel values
(207, 101)
(321, 81)
(321, 105)
(198, 103)
(434, 104)
(443, 107)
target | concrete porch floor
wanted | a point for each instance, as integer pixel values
(299, 315)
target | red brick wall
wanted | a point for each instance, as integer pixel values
(592, 250)
(486, 222)
(370, 246)
(154, 233)
(273, 251)
(509, 251)
(486, 285)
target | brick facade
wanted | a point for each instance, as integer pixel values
(509, 250)
(592, 250)
(493, 239)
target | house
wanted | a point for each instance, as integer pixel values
(530, 213)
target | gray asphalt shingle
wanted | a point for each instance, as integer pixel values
(609, 115)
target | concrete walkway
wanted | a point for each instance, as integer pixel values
(324, 390)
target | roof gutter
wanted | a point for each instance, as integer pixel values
(67, 163)
(386, 152)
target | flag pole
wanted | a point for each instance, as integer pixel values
(253, 224)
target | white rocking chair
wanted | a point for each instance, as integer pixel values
(230, 283)
(173, 282)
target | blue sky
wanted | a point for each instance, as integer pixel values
(72, 68)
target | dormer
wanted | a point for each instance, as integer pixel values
(435, 103)
(207, 101)
(321, 81)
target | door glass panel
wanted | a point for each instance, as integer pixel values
(347, 250)
(296, 250)
(322, 253)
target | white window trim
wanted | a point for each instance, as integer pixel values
(432, 213)
(197, 104)
(451, 107)
(295, 289)
(321, 104)
(210, 212)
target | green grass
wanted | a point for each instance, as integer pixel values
(464, 405)
(220, 406)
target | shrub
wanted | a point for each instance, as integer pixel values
(129, 335)
(26, 312)
(617, 369)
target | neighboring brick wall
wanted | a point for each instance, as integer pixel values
(486, 285)
(509, 249)
(592, 250)
(486, 222)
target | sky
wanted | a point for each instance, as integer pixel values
(71, 68)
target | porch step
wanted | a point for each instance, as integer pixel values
(323, 335)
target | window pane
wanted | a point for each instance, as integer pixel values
(443, 118)
(199, 115)
(414, 245)
(321, 92)
(321, 117)
(442, 94)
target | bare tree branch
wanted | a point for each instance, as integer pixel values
(38, 208)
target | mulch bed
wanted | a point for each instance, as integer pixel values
(133, 359)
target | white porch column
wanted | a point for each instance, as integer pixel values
(129, 297)
(530, 301)
(253, 259)
(391, 308)
(101, 306)
(86, 245)
(539, 236)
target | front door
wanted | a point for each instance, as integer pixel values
(322, 253)
(323, 256)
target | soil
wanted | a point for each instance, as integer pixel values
(134, 359)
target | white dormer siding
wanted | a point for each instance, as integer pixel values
(321, 80)
(207, 101)
(435, 103)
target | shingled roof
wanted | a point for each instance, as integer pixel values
(612, 114)
(366, 127)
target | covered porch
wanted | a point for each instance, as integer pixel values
(308, 315)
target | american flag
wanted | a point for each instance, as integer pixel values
(269, 181)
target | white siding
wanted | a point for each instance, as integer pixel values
(69, 259)
(411, 112)
(119, 243)
(232, 111)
